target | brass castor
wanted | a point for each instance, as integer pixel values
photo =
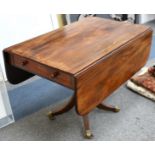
(116, 109)
(88, 134)
(51, 116)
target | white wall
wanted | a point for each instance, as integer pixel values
(22, 20)
(146, 17)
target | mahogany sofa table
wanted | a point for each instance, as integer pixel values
(93, 57)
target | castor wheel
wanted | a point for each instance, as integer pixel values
(116, 109)
(51, 116)
(88, 134)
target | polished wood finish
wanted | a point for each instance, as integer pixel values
(111, 71)
(78, 45)
(87, 132)
(43, 70)
(93, 57)
(63, 109)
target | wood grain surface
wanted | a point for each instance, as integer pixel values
(43, 71)
(106, 75)
(93, 57)
(76, 46)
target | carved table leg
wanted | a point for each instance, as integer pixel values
(87, 132)
(62, 110)
(108, 107)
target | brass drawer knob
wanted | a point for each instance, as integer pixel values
(25, 62)
(54, 74)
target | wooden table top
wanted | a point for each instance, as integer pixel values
(75, 47)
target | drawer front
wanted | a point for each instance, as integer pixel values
(42, 70)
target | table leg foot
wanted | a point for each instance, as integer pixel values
(51, 114)
(108, 107)
(87, 132)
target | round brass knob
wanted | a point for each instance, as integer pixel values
(54, 74)
(25, 62)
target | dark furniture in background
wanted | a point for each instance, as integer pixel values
(117, 17)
